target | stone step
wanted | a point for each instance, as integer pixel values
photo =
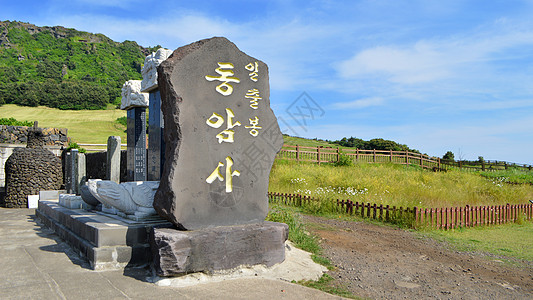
(108, 242)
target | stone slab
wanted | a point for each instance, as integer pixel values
(136, 140)
(50, 195)
(220, 248)
(113, 159)
(106, 242)
(156, 144)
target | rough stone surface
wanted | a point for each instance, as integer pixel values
(19, 135)
(149, 71)
(30, 170)
(132, 95)
(200, 114)
(219, 248)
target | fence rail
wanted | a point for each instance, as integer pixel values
(440, 218)
(99, 147)
(332, 155)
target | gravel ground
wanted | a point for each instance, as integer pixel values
(381, 262)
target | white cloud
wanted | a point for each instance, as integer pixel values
(435, 59)
(360, 103)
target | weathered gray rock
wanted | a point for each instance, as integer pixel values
(220, 248)
(113, 159)
(221, 136)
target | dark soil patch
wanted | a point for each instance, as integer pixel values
(382, 262)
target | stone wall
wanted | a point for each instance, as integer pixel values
(7, 149)
(19, 135)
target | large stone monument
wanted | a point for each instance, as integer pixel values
(221, 140)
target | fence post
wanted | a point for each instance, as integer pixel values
(374, 155)
(505, 164)
(417, 216)
(356, 154)
(391, 156)
(297, 153)
(439, 163)
(422, 160)
(467, 216)
(338, 154)
(482, 165)
(407, 157)
(318, 154)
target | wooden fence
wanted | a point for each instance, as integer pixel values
(440, 218)
(332, 155)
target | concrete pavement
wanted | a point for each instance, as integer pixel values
(36, 264)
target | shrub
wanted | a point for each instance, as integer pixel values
(14, 122)
(73, 145)
(344, 160)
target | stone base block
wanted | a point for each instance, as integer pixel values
(73, 201)
(219, 248)
(107, 242)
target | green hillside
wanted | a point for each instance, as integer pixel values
(84, 126)
(64, 68)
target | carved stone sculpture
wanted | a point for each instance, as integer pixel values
(132, 96)
(149, 71)
(132, 198)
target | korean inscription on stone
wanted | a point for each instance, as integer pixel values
(216, 101)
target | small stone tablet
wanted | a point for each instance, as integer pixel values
(221, 136)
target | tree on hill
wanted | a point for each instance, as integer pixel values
(82, 70)
(378, 144)
(449, 156)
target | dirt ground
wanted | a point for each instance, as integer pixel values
(381, 262)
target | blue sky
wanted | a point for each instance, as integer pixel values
(435, 75)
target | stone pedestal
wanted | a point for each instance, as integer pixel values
(107, 242)
(219, 248)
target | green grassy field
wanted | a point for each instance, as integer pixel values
(398, 185)
(509, 240)
(84, 126)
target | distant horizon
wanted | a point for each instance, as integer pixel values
(437, 76)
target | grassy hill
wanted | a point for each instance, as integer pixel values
(84, 126)
(64, 68)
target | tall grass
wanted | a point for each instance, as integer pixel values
(398, 185)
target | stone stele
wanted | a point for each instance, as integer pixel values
(132, 96)
(149, 70)
(221, 136)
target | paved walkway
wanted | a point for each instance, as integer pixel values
(36, 264)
